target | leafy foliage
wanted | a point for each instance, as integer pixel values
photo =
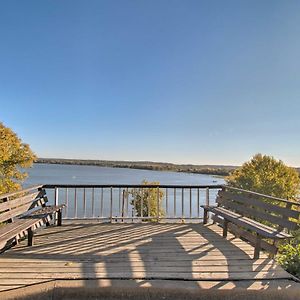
(145, 200)
(14, 156)
(264, 174)
(289, 258)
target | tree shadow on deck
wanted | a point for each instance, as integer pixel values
(148, 253)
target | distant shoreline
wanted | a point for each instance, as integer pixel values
(217, 170)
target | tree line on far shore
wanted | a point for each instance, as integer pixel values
(144, 165)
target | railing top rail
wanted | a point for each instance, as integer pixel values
(34, 187)
(52, 186)
(262, 195)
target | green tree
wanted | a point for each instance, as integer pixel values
(145, 200)
(264, 174)
(14, 157)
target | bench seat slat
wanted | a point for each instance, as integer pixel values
(235, 215)
(20, 225)
(15, 226)
(16, 207)
(261, 225)
(12, 230)
(238, 219)
(14, 212)
(42, 211)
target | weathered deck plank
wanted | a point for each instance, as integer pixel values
(134, 251)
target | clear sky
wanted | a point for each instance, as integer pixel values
(178, 81)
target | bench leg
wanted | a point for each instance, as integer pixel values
(30, 236)
(225, 228)
(59, 217)
(47, 223)
(205, 216)
(276, 245)
(257, 246)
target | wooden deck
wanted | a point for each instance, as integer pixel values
(190, 252)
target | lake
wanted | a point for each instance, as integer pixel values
(77, 174)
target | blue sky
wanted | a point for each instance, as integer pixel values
(178, 81)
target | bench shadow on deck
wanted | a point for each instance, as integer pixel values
(187, 255)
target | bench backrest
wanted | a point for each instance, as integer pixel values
(17, 203)
(278, 213)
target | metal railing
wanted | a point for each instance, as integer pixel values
(133, 203)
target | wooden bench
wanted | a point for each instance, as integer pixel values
(261, 220)
(22, 212)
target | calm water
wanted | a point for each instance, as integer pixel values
(72, 174)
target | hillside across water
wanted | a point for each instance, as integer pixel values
(219, 170)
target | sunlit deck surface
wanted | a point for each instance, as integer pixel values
(143, 252)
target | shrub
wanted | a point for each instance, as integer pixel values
(145, 200)
(289, 258)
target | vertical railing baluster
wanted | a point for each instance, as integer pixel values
(111, 204)
(157, 212)
(84, 203)
(190, 202)
(182, 203)
(149, 203)
(101, 202)
(207, 201)
(207, 197)
(174, 202)
(66, 202)
(127, 202)
(198, 203)
(75, 203)
(93, 202)
(123, 205)
(55, 203)
(142, 201)
(56, 196)
(119, 202)
(167, 203)
(134, 210)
